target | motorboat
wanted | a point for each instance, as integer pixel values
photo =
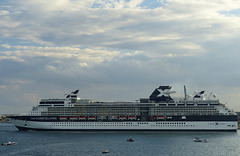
(106, 151)
(9, 143)
(130, 140)
(197, 139)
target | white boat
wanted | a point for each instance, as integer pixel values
(197, 139)
(106, 151)
(9, 143)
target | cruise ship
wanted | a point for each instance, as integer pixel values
(158, 112)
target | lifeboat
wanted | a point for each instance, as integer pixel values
(82, 118)
(122, 118)
(63, 118)
(160, 117)
(73, 118)
(132, 117)
(91, 118)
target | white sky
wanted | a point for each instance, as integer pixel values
(117, 50)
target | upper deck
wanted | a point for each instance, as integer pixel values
(159, 103)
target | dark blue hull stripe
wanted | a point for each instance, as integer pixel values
(173, 118)
(135, 130)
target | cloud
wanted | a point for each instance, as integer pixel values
(25, 53)
(113, 48)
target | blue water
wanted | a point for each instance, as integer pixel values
(34, 143)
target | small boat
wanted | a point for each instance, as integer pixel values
(197, 139)
(9, 143)
(130, 140)
(106, 151)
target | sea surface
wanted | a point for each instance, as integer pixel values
(37, 143)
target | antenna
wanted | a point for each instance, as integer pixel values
(185, 93)
(209, 96)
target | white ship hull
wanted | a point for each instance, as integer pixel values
(127, 126)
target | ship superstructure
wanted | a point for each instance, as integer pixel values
(158, 112)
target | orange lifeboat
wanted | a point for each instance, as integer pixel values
(73, 118)
(132, 117)
(82, 118)
(91, 118)
(63, 118)
(122, 118)
(160, 117)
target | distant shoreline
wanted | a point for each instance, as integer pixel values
(5, 122)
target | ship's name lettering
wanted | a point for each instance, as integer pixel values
(44, 118)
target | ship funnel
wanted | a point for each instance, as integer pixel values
(73, 96)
